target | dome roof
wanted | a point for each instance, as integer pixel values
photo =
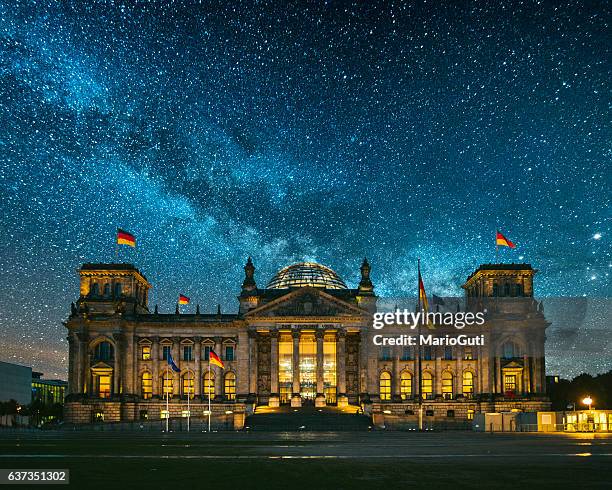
(306, 274)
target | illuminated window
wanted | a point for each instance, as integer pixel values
(447, 385)
(329, 368)
(406, 385)
(187, 387)
(470, 414)
(209, 385)
(510, 383)
(146, 352)
(104, 385)
(427, 385)
(468, 354)
(166, 382)
(229, 352)
(229, 387)
(468, 383)
(285, 365)
(187, 353)
(104, 352)
(165, 414)
(147, 385)
(385, 386)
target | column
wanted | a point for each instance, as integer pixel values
(320, 398)
(526, 381)
(197, 388)
(438, 384)
(498, 380)
(155, 367)
(296, 399)
(118, 371)
(129, 364)
(218, 372)
(341, 367)
(396, 382)
(252, 363)
(81, 364)
(458, 388)
(274, 399)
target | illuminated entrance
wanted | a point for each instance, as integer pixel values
(308, 366)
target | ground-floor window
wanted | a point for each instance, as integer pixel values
(385, 386)
(510, 383)
(468, 384)
(406, 385)
(103, 385)
(147, 385)
(166, 382)
(208, 387)
(447, 385)
(427, 386)
(230, 386)
(187, 388)
(470, 414)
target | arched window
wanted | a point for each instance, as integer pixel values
(447, 385)
(104, 351)
(406, 385)
(510, 350)
(147, 385)
(94, 290)
(385, 386)
(229, 386)
(107, 289)
(117, 289)
(468, 384)
(166, 382)
(188, 384)
(427, 386)
(208, 386)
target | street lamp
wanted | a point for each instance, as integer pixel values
(587, 400)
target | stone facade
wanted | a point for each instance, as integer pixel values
(306, 338)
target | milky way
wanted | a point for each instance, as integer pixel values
(302, 131)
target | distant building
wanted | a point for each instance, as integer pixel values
(305, 338)
(15, 383)
(48, 391)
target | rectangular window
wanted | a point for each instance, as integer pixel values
(427, 353)
(468, 354)
(104, 386)
(144, 415)
(448, 353)
(166, 349)
(146, 352)
(470, 414)
(206, 352)
(406, 353)
(385, 354)
(429, 413)
(187, 353)
(450, 413)
(510, 383)
(165, 414)
(229, 353)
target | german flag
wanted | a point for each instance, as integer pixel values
(183, 300)
(422, 295)
(215, 359)
(125, 238)
(502, 241)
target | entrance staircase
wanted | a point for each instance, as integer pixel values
(307, 418)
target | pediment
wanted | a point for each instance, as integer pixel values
(512, 365)
(307, 301)
(101, 366)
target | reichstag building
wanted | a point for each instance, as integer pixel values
(306, 338)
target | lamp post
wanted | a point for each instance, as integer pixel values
(587, 400)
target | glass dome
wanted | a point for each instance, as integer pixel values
(306, 274)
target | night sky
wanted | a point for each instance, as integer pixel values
(323, 131)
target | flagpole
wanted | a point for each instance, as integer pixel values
(496, 248)
(167, 399)
(116, 247)
(208, 389)
(420, 387)
(188, 409)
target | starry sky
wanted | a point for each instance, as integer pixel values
(291, 131)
